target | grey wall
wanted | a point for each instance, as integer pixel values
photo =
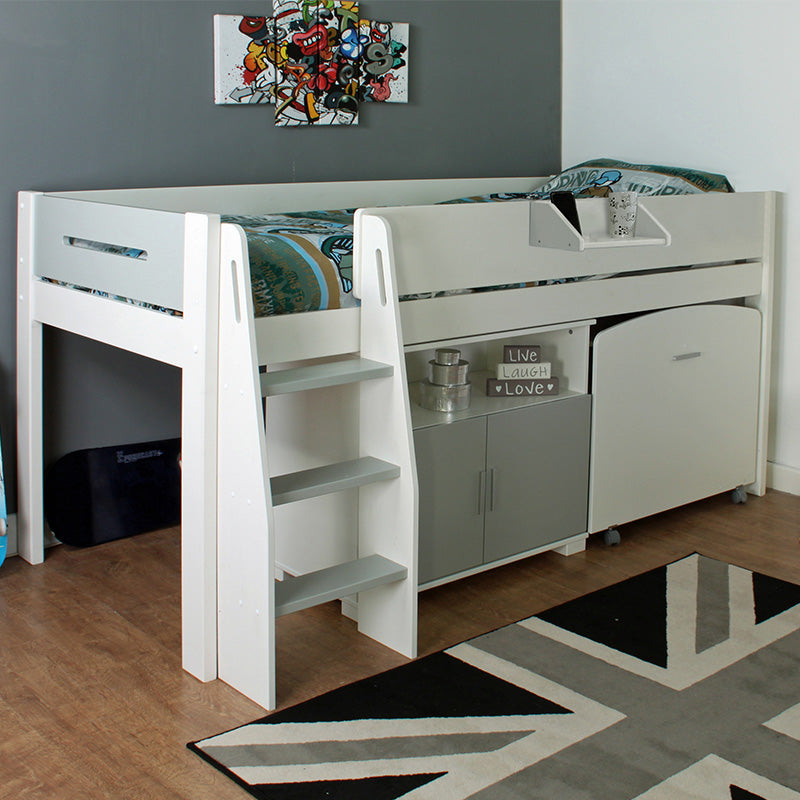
(120, 94)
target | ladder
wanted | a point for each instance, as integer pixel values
(384, 572)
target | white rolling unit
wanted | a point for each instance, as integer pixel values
(676, 410)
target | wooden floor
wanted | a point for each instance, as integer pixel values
(93, 701)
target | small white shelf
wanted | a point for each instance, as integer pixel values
(550, 228)
(480, 404)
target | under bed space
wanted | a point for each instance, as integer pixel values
(330, 491)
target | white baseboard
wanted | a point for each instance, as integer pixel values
(783, 478)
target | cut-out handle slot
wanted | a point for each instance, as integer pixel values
(381, 277)
(106, 247)
(237, 306)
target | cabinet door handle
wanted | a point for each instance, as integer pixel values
(492, 484)
(481, 490)
(686, 356)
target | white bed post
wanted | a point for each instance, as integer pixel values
(30, 493)
(763, 302)
(198, 446)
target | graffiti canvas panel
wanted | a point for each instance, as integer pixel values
(384, 61)
(314, 74)
(315, 60)
(243, 73)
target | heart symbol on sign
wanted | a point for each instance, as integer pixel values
(497, 389)
(549, 386)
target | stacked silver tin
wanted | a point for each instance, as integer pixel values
(446, 387)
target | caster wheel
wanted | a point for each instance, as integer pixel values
(739, 495)
(611, 537)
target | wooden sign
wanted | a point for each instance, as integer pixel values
(521, 371)
(522, 353)
(521, 388)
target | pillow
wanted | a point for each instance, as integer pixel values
(603, 175)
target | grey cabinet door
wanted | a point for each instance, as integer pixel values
(450, 464)
(538, 472)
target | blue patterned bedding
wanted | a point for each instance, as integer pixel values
(299, 261)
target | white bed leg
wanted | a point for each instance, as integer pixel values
(763, 302)
(30, 494)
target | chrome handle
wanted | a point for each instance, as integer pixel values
(492, 485)
(481, 490)
(686, 356)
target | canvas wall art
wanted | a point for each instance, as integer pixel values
(315, 61)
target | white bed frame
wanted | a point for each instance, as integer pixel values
(403, 245)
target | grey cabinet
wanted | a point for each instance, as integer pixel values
(501, 484)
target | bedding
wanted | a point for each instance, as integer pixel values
(303, 261)
(601, 176)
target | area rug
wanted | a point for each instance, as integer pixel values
(682, 682)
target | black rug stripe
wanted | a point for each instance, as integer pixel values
(737, 793)
(630, 616)
(438, 685)
(773, 596)
(386, 787)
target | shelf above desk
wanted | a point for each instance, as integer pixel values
(550, 228)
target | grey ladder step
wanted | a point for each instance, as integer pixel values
(304, 591)
(316, 376)
(337, 477)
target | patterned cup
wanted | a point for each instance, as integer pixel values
(622, 214)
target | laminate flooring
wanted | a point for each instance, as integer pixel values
(94, 703)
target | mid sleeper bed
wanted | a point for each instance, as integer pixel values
(684, 307)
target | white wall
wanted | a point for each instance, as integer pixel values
(709, 84)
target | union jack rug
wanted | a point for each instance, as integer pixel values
(683, 682)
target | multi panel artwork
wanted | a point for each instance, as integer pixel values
(316, 61)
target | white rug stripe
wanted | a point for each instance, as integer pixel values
(787, 723)
(710, 779)
(530, 681)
